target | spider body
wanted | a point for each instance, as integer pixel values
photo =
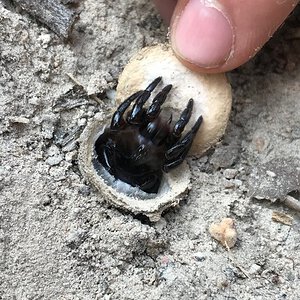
(139, 147)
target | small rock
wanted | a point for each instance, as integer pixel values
(111, 95)
(70, 156)
(254, 269)
(84, 190)
(48, 122)
(155, 247)
(160, 225)
(199, 257)
(203, 159)
(168, 274)
(81, 122)
(45, 39)
(45, 201)
(53, 150)
(270, 173)
(97, 80)
(19, 119)
(5, 170)
(237, 182)
(224, 232)
(54, 160)
(75, 237)
(230, 173)
(34, 100)
(58, 174)
(47, 130)
(228, 184)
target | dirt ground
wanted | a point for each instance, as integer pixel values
(60, 239)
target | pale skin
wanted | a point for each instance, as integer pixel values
(217, 36)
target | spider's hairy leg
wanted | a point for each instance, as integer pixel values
(136, 114)
(117, 120)
(176, 154)
(154, 109)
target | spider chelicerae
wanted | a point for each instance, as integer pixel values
(142, 144)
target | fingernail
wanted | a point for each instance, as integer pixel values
(203, 35)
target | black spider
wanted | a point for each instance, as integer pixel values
(139, 148)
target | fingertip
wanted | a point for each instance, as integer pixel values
(202, 35)
(220, 35)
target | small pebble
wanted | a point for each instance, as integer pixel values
(254, 269)
(45, 201)
(230, 173)
(228, 184)
(70, 156)
(20, 120)
(199, 256)
(237, 182)
(81, 122)
(54, 160)
(75, 237)
(53, 150)
(34, 100)
(270, 173)
(224, 232)
(45, 40)
(58, 174)
(160, 225)
(111, 94)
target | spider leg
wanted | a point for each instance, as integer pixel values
(176, 154)
(154, 109)
(151, 185)
(184, 143)
(183, 119)
(169, 166)
(136, 113)
(117, 120)
(161, 133)
(155, 132)
(153, 84)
